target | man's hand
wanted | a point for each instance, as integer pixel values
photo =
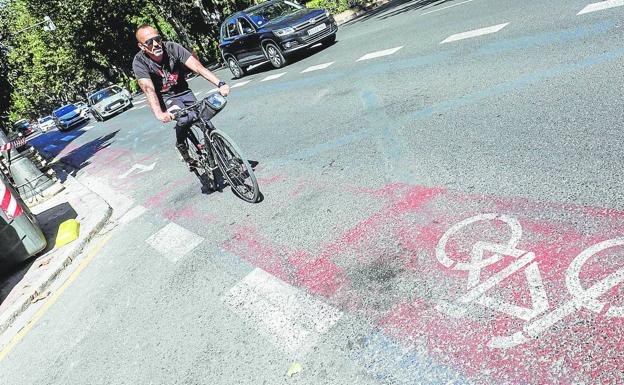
(165, 116)
(224, 90)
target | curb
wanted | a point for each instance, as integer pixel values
(354, 13)
(15, 310)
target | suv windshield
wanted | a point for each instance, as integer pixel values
(273, 12)
(103, 94)
(64, 110)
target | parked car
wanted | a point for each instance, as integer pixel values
(23, 127)
(46, 123)
(270, 31)
(109, 101)
(68, 117)
(83, 107)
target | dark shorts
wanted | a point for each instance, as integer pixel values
(180, 101)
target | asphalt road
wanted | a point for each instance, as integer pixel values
(447, 213)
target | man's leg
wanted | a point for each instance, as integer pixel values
(184, 124)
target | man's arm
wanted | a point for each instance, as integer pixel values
(197, 67)
(152, 99)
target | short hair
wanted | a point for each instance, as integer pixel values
(142, 27)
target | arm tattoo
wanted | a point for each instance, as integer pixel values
(150, 94)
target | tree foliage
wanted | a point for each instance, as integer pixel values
(93, 45)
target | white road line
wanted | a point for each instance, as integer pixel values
(377, 54)
(317, 67)
(601, 6)
(290, 318)
(474, 33)
(174, 242)
(273, 77)
(443, 8)
(140, 101)
(87, 128)
(132, 214)
(240, 84)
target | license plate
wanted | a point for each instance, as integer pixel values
(316, 29)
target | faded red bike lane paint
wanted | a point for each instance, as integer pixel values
(500, 290)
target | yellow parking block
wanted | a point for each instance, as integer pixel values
(68, 232)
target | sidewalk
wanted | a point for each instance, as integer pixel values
(28, 283)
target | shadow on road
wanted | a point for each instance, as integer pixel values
(49, 221)
(51, 143)
(397, 7)
(80, 157)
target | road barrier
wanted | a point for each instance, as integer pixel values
(27, 169)
(20, 235)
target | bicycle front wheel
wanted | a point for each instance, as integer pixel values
(235, 167)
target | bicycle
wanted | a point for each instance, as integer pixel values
(212, 149)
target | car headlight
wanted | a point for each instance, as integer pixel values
(327, 14)
(284, 31)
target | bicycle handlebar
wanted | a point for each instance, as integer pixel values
(177, 114)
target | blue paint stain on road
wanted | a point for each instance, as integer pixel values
(50, 148)
(369, 99)
(390, 362)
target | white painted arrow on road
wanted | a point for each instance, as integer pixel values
(141, 169)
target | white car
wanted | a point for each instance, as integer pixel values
(109, 101)
(45, 124)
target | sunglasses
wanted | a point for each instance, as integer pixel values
(150, 42)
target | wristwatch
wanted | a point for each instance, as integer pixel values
(221, 84)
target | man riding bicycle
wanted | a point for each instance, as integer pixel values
(160, 68)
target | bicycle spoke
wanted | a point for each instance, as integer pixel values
(235, 169)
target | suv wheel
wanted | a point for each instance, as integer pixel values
(235, 68)
(274, 54)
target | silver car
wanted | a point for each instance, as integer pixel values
(109, 101)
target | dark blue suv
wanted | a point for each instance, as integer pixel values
(272, 30)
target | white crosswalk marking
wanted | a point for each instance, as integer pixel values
(290, 318)
(240, 84)
(317, 67)
(377, 54)
(174, 242)
(474, 33)
(273, 77)
(601, 6)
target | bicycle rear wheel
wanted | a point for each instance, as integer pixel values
(235, 167)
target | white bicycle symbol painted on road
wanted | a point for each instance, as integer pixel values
(537, 318)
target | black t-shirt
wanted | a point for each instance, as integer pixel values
(169, 75)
